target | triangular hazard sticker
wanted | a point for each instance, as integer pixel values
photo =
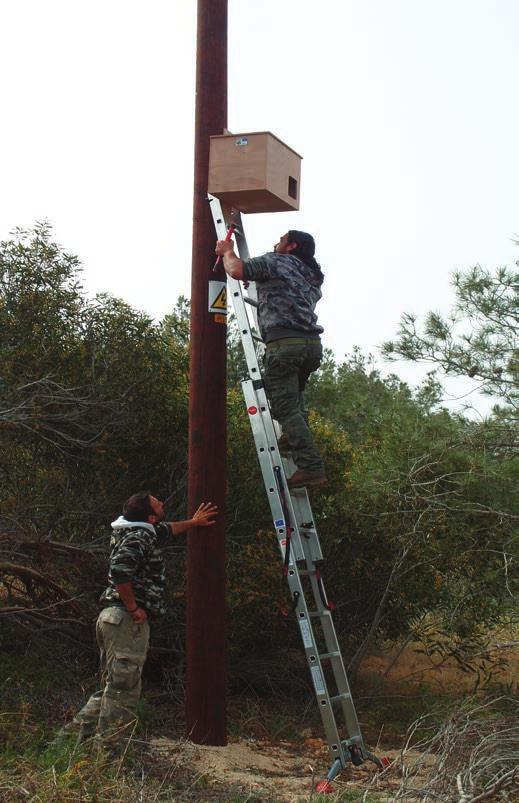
(220, 301)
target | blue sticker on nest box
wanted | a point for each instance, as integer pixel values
(279, 523)
(242, 141)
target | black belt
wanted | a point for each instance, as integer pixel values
(293, 341)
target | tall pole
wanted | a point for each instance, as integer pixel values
(206, 611)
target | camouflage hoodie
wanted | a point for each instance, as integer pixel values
(136, 558)
(288, 291)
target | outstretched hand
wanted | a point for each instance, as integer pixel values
(204, 516)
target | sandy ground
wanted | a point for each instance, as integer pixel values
(275, 773)
(287, 772)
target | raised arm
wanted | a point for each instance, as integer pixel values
(233, 264)
(203, 517)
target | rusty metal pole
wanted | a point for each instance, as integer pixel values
(206, 609)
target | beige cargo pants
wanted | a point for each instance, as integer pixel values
(123, 646)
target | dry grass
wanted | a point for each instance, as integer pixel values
(65, 775)
(472, 756)
(468, 756)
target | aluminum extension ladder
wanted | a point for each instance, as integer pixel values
(296, 533)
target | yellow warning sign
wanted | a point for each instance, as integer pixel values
(220, 301)
(217, 297)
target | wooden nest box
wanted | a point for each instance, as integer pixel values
(254, 172)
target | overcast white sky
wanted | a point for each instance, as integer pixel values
(405, 112)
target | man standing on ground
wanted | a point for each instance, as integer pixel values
(134, 596)
(289, 286)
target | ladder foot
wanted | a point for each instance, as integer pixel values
(333, 771)
(356, 755)
(381, 763)
(324, 788)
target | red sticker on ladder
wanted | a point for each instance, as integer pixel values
(283, 542)
(252, 410)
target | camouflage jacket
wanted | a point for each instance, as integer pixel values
(136, 558)
(288, 291)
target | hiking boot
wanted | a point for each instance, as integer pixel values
(305, 476)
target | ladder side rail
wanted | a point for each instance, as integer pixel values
(313, 554)
(266, 443)
(234, 286)
(312, 549)
(265, 440)
(242, 318)
(343, 694)
(338, 669)
(324, 703)
(304, 516)
(298, 503)
(257, 397)
(220, 223)
(243, 253)
(305, 547)
(268, 455)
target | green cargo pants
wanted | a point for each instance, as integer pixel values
(288, 364)
(123, 646)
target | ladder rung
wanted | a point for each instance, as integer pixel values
(251, 301)
(305, 572)
(300, 491)
(339, 697)
(318, 614)
(325, 655)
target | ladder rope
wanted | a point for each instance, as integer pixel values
(324, 599)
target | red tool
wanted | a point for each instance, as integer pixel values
(230, 232)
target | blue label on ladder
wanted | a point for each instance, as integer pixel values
(279, 523)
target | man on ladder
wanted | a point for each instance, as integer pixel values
(288, 282)
(287, 288)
